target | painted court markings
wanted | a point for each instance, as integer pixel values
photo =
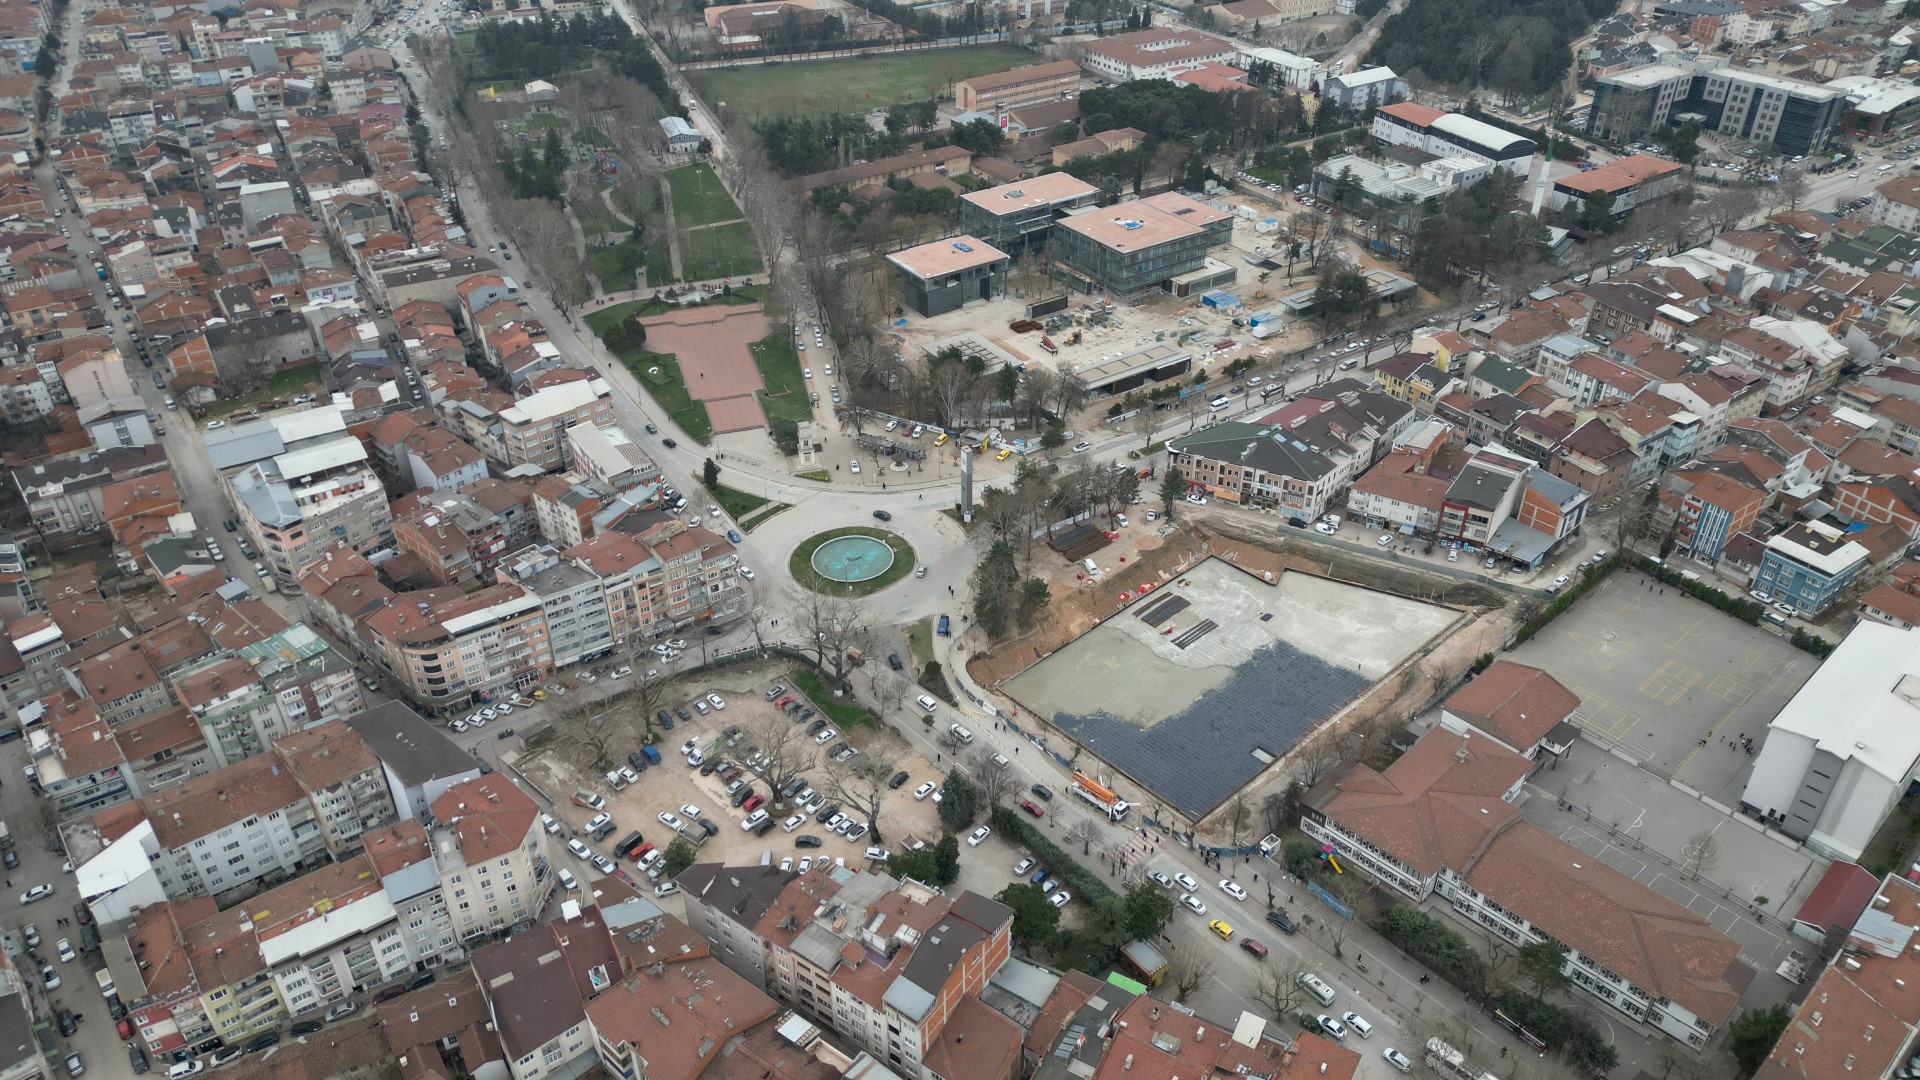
(1603, 719)
(1669, 682)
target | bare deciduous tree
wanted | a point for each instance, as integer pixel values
(1278, 989)
(1189, 973)
(989, 779)
(859, 784)
(786, 752)
(1084, 832)
(1700, 855)
(829, 624)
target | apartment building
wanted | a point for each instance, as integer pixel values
(666, 577)
(121, 683)
(491, 856)
(1710, 509)
(445, 650)
(533, 431)
(419, 759)
(1654, 961)
(1809, 565)
(304, 802)
(888, 964)
(537, 986)
(300, 484)
(573, 601)
(247, 700)
(1511, 507)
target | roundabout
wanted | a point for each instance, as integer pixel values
(853, 561)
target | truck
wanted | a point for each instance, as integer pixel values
(1101, 797)
(1144, 961)
(100, 271)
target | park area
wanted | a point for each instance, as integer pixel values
(714, 241)
(749, 93)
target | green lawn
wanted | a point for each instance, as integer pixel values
(614, 266)
(699, 198)
(737, 504)
(719, 251)
(284, 384)
(842, 711)
(920, 643)
(800, 566)
(660, 373)
(750, 93)
(588, 135)
(761, 518)
(785, 397)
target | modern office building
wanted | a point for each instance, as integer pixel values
(1633, 181)
(1013, 216)
(1131, 247)
(1445, 134)
(949, 274)
(1797, 117)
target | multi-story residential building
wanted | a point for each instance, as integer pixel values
(297, 504)
(268, 689)
(420, 762)
(1648, 957)
(1501, 504)
(1400, 494)
(533, 430)
(1896, 204)
(1809, 565)
(303, 802)
(444, 652)
(538, 985)
(891, 979)
(1857, 1018)
(666, 577)
(1710, 509)
(1298, 458)
(491, 855)
(121, 683)
(1595, 458)
(573, 600)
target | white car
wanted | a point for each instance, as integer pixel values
(974, 837)
(548, 823)
(1060, 898)
(1386, 540)
(746, 572)
(670, 821)
(1021, 868)
(458, 725)
(503, 708)
(853, 467)
(1357, 1024)
(1233, 889)
(65, 949)
(621, 672)
(827, 735)
(579, 849)
(38, 892)
(1397, 1059)
(753, 819)
(690, 812)
(793, 823)
(806, 373)
(716, 701)
(1193, 903)
(892, 424)
(920, 793)
(1160, 879)
(602, 863)
(1082, 447)
(597, 821)
(1561, 581)
(1187, 882)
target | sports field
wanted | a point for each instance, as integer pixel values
(753, 91)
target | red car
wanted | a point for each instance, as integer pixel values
(640, 852)
(125, 1025)
(783, 702)
(1031, 807)
(753, 803)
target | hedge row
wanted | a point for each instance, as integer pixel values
(1589, 576)
(1746, 610)
(1086, 884)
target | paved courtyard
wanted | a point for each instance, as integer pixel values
(710, 344)
(1194, 688)
(1665, 681)
(1644, 827)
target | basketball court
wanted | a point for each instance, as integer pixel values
(711, 345)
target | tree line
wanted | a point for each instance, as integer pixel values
(1520, 48)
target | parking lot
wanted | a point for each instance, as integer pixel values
(673, 784)
(1665, 681)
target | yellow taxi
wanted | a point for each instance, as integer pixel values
(1220, 927)
(1003, 455)
(942, 440)
(539, 695)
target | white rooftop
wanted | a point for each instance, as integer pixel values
(329, 455)
(552, 401)
(1863, 703)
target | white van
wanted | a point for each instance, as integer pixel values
(1315, 985)
(1219, 403)
(1349, 365)
(961, 733)
(1092, 568)
(926, 703)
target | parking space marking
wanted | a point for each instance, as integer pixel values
(1670, 682)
